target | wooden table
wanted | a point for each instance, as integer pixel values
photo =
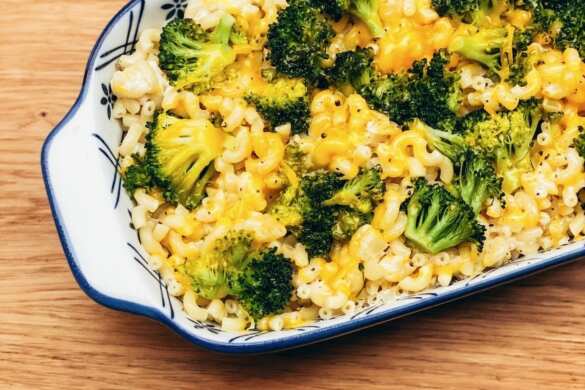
(527, 336)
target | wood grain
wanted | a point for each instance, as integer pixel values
(527, 336)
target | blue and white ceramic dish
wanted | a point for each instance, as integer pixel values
(91, 212)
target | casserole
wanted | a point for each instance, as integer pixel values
(104, 252)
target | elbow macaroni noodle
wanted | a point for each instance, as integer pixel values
(376, 265)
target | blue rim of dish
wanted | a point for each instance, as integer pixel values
(288, 342)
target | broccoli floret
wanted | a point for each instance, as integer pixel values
(347, 222)
(300, 208)
(210, 272)
(295, 159)
(290, 207)
(298, 41)
(180, 155)
(579, 142)
(477, 180)
(489, 47)
(468, 11)
(452, 145)
(437, 220)
(353, 70)
(321, 185)
(508, 135)
(318, 220)
(335, 9)
(322, 207)
(353, 205)
(263, 283)
(260, 279)
(362, 193)
(338, 207)
(283, 101)
(563, 21)
(404, 97)
(484, 47)
(316, 232)
(192, 57)
(137, 176)
(570, 20)
(365, 10)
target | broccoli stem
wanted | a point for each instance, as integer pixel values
(367, 12)
(483, 47)
(223, 31)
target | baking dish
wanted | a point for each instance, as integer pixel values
(91, 211)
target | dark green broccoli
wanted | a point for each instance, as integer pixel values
(468, 11)
(571, 19)
(283, 101)
(362, 193)
(137, 176)
(477, 181)
(579, 142)
(323, 207)
(298, 41)
(291, 205)
(321, 185)
(365, 10)
(484, 46)
(299, 208)
(404, 97)
(335, 9)
(263, 283)
(180, 155)
(508, 136)
(353, 70)
(192, 57)
(563, 21)
(315, 233)
(437, 220)
(260, 279)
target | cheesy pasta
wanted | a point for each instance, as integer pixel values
(298, 161)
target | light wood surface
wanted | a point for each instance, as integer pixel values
(530, 335)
